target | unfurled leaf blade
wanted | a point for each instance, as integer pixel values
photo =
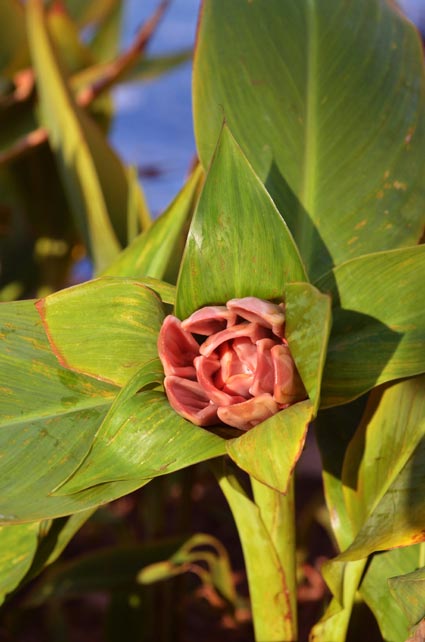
(283, 433)
(344, 164)
(377, 591)
(238, 244)
(378, 329)
(409, 591)
(18, 543)
(106, 328)
(307, 327)
(142, 437)
(93, 176)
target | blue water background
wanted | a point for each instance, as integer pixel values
(153, 127)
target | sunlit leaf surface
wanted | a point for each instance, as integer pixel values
(238, 245)
(327, 102)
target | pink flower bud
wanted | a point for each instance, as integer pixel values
(240, 374)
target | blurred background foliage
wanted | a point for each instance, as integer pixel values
(64, 193)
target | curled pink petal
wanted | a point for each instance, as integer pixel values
(189, 400)
(248, 414)
(209, 320)
(206, 368)
(288, 386)
(259, 311)
(240, 375)
(177, 349)
(251, 330)
(264, 379)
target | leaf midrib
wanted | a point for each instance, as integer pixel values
(310, 140)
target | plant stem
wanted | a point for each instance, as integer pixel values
(266, 531)
(278, 514)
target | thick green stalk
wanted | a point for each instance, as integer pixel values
(278, 514)
(272, 595)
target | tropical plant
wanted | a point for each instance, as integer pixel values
(310, 128)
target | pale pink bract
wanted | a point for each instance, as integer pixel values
(237, 371)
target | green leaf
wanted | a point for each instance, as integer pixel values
(13, 43)
(48, 420)
(378, 327)
(238, 245)
(142, 437)
(283, 433)
(157, 251)
(18, 544)
(311, 91)
(106, 328)
(138, 215)
(93, 176)
(105, 44)
(376, 590)
(266, 580)
(386, 488)
(409, 591)
(307, 328)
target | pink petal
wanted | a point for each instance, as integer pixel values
(209, 320)
(250, 330)
(259, 311)
(246, 352)
(177, 349)
(288, 386)
(206, 368)
(189, 400)
(248, 414)
(264, 373)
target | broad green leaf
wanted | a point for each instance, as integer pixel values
(343, 580)
(391, 429)
(376, 591)
(54, 537)
(141, 437)
(48, 420)
(106, 328)
(105, 570)
(391, 478)
(307, 328)
(378, 329)
(311, 92)
(409, 591)
(18, 544)
(93, 176)
(238, 245)
(157, 251)
(13, 42)
(334, 429)
(283, 433)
